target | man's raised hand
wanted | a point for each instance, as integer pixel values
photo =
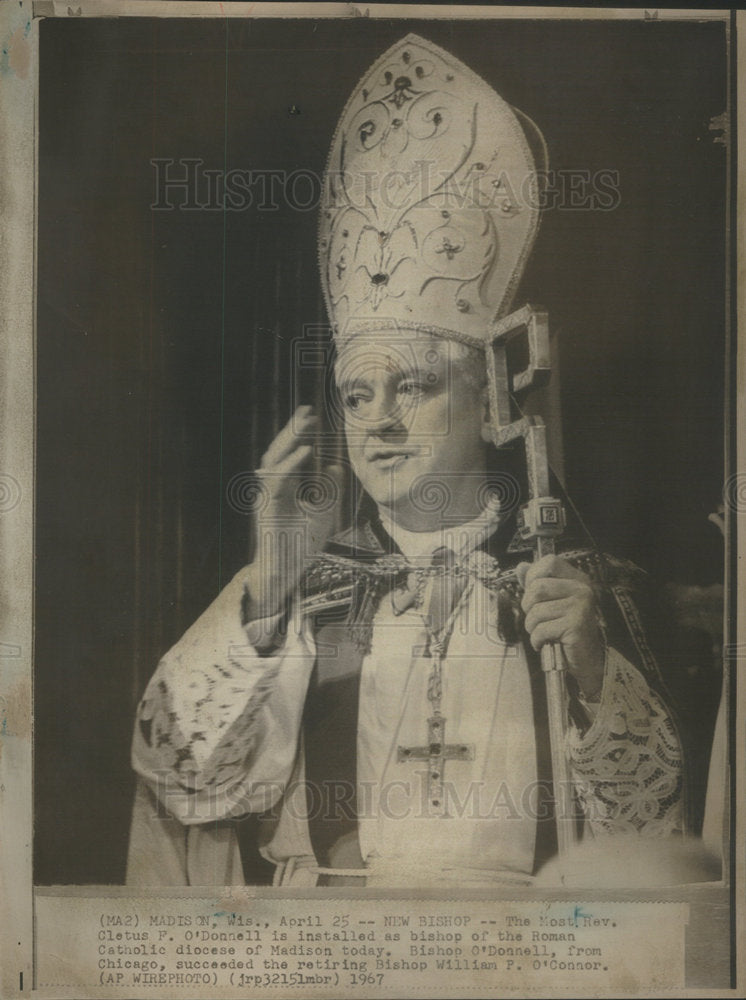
(297, 517)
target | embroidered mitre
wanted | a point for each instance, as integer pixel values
(430, 201)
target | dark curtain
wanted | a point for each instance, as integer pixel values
(168, 341)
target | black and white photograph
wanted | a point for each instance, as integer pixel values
(384, 493)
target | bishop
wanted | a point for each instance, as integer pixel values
(375, 694)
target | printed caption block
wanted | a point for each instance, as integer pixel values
(239, 946)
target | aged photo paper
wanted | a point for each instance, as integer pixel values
(371, 483)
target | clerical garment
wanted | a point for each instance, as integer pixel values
(322, 728)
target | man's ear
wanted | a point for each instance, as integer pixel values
(486, 428)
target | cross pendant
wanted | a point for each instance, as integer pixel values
(436, 753)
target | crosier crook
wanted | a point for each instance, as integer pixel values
(540, 521)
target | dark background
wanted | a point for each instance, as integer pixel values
(165, 338)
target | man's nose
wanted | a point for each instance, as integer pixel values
(384, 414)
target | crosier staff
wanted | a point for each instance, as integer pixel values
(541, 520)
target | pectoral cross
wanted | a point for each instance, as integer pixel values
(436, 753)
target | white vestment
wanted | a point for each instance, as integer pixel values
(219, 735)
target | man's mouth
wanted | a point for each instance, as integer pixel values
(388, 456)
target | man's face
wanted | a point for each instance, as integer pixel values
(412, 417)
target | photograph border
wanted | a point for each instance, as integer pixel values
(18, 170)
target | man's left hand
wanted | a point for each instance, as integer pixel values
(560, 606)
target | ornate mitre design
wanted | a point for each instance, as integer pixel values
(431, 200)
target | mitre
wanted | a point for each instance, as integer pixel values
(430, 200)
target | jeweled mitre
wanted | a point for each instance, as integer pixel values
(430, 202)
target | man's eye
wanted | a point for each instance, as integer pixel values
(411, 389)
(353, 401)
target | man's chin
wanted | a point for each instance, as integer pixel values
(391, 500)
(387, 495)
(391, 487)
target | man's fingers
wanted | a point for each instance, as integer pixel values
(302, 422)
(544, 633)
(520, 571)
(298, 457)
(547, 611)
(561, 606)
(551, 589)
(554, 630)
(552, 566)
